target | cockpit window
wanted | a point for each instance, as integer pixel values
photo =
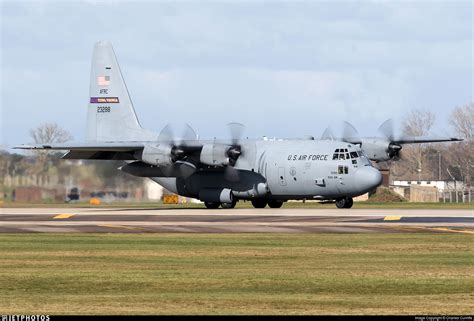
(343, 154)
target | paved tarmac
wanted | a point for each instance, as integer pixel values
(197, 220)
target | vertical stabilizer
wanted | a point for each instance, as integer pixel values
(110, 116)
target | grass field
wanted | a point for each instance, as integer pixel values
(237, 274)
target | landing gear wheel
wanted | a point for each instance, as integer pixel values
(228, 205)
(259, 202)
(275, 203)
(349, 202)
(345, 202)
(212, 205)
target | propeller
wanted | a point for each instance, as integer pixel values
(387, 130)
(234, 151)
(177, 144)
(178, 149)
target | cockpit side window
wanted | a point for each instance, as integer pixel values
(354, 155)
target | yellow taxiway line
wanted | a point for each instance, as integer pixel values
(392, 218)
(63, 216)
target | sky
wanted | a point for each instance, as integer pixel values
(284, 69)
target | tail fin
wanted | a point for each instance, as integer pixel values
(110, 116)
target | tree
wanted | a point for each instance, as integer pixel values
(461, 155)
(47, 133)
(462, 121)
(418, 122)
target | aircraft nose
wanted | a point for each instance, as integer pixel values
(367, 178)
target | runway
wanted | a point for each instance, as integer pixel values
(196, 220)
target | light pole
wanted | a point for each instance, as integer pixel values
(455, 189)
(439, 165)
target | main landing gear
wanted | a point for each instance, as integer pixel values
(214, 205)
(256, 202)
(262, 202)
(345, 202)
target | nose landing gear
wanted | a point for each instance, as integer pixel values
(345, 202)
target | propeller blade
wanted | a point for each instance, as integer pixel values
(231, 174)
(386, 128)
(166, 134)
(327, 134)
(188, 133)
(235, 150)
(350, 133)
(236, 130)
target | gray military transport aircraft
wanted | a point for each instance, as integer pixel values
(221, 172)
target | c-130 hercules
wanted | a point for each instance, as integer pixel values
(221, 172)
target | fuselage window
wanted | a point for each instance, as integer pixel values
(340, 169)
(346, 170)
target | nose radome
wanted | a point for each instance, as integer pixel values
(368, 178)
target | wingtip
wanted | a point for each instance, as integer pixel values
(32, 147)
(22, 147)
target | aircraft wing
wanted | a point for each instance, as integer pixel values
(102, 150)
(112, 146)
(128, 150)
(421, 139)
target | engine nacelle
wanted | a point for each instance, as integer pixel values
(214, 154)
(380, 150)
(158, 155)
